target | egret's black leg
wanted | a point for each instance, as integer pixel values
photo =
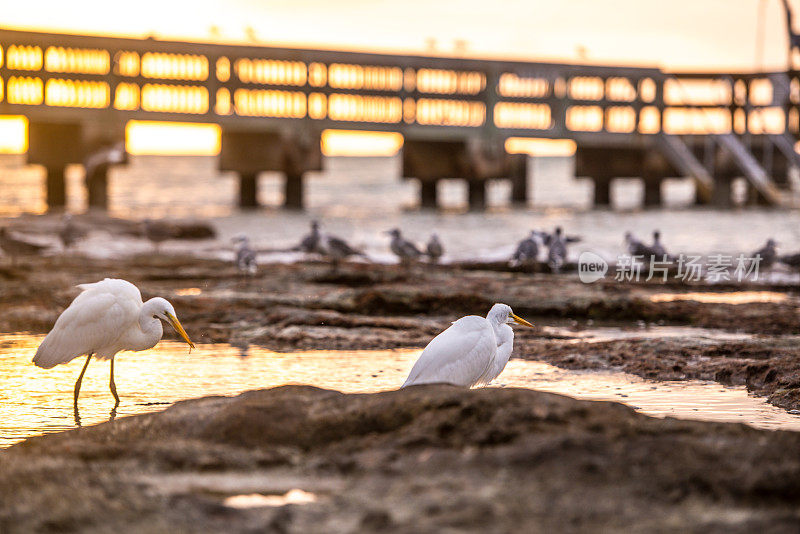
(112, 385)
(78, 390)
(80, 379)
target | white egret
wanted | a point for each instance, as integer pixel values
(106, 318)
(472, 351)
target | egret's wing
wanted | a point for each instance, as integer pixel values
(504, 349)
(115, 286)
(95, 319)
(460, 355)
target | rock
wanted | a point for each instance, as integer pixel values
(421, 459)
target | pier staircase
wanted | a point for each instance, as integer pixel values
(751, 168)
(682, 153)
(678, 153)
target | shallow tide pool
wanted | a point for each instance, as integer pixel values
(37, 401)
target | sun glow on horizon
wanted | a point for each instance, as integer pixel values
(534, 146)
(172, 138)
(13, 134)
(360, 143)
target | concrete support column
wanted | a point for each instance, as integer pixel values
(602, 192)
(652, 192)
(721, 196)
(293, 189)
(428, 194)
(754, 197)
(55, 145)
(56, 188)
(477, 195)
(519, 179)
(97, 187)
(248, 190)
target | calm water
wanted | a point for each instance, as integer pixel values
(361, 198)
(37, 401)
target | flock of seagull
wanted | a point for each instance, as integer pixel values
(335, 249)
(767, 254)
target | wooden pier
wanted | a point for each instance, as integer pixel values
(455, 114)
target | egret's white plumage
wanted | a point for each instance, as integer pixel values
(472, 351)
(106, 318)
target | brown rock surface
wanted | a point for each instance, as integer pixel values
(424, 459)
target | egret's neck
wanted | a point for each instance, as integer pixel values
(152, 330)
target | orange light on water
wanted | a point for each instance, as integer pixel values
(540, 147)
(172, 138)
(13, 134)
(360, 143)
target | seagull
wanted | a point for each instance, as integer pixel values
(15, 247)
(434, 249)
(557, 251)
(768, 254)
(657, 248)
(69, 232)
(636, 247)
(792, 260)
(245, 256)
(402, 248)
(158, 232)
(311, 242)
(528, 249)
(473, 351)
(337, 249)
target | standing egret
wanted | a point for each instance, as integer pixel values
(106, 318)
(472, 351)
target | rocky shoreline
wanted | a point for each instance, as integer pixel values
(305, 306)
(425, 459)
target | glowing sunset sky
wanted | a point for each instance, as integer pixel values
(679, 34)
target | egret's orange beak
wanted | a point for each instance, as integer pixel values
(519, 320)
(176, 324)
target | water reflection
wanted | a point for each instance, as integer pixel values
(38, 401)
(257, 500)
(732, 297)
